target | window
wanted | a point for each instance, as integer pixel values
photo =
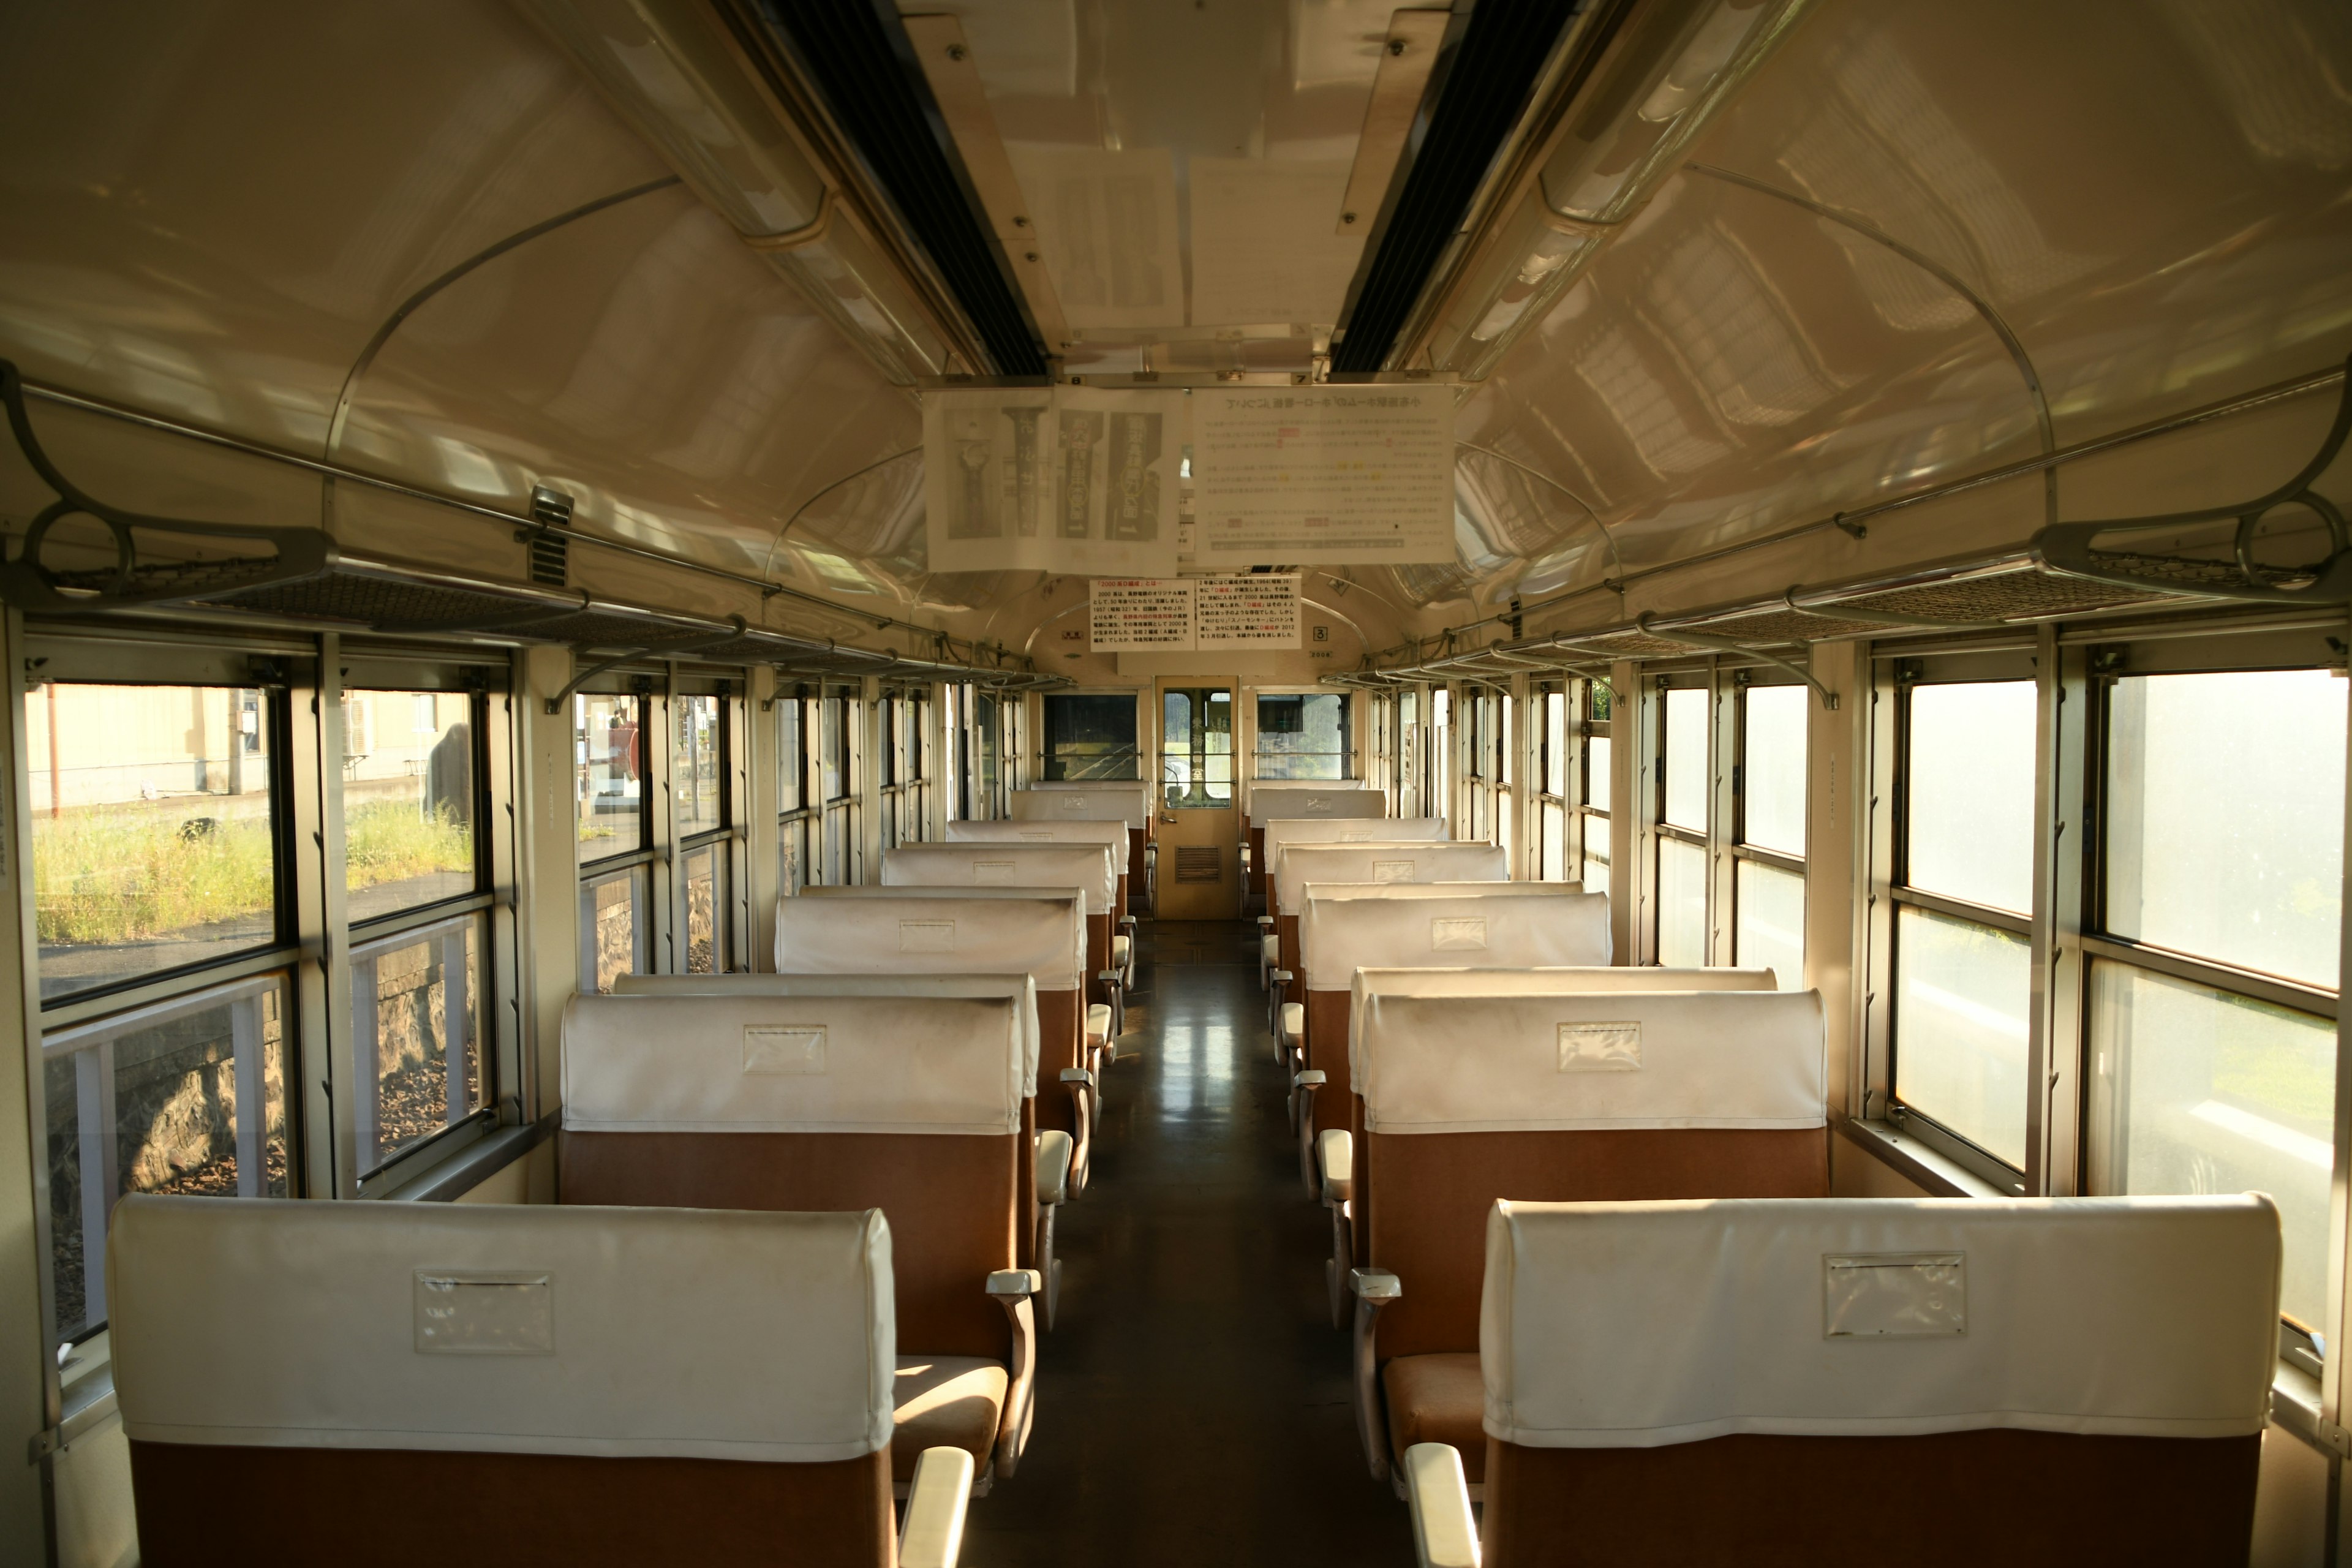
(1768, 854)
(614, 836)
(1439, 786)
(1964, 895)
(1304, 735)
(1551, 788)
(415, 1035)
(795, 792)
(701, 820)
(1482, 761)
(905, 788)
(843, 718)
(154, 832)
(2211, 1064)
(1594, 795)
(1196, 755)
(409, 787)
(1091, 736)
(1687, 789)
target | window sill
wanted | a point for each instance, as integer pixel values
(445, 1181)
(1912, 1159)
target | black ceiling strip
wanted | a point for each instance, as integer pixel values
(849, 53)
(1484, 94)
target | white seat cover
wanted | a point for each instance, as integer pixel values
(1573, 1061)
(1637, 1325)
(1090, 867)
(1082, 802)
(1111, 835)
(1269, 803)
(1412, 862)
(792, 1064)
(534, 1329)
(1021, 988)
(1505, 924)
(871, 931)
(1284, 830)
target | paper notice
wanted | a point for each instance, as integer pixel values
(1323, 475)
(1066, 480)
(1142, 615)
(1257, 610)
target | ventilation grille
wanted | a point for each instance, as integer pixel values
(550, 560)
(1199, 863)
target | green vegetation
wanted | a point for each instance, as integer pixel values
(122, 874)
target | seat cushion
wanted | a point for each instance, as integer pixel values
(1436, 1398)
(952, 1402)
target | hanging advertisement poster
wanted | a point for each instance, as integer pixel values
(1254, 610)
(1323, 475)
(1140, 614)
(1063, 478)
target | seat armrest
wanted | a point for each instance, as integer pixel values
(1013, 1288)
(1055, 1150)
(1127, 920)
(1335, 1151)
(1108, 977)
(1265, 922)
(1294, 1023)
(1311, 1079)
(1302, 1120)
(1098, 1023)
(1373, 1288)
(1079, 1075)
(1443, 1533)
(936, 1500)
(1282, 977)
(1020, 1284)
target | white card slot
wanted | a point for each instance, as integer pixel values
(789, 1049)
(1600, 1048)
(1893, 1294)
(484, 1314)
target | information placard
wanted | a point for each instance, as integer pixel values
(1142, 615)
(1068, 479)
(1256, 610)
(1323, 475)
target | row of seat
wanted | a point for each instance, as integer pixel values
(801, 1229)
(1600, 1285)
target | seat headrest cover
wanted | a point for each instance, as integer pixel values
(1021, 988)
(1048, 830)
(1501, 926)
(792, 1064)
(1103, 802)
(935, 930)
(1090, 867)
(530, 1329)
(1576, 1061)
(1284, 830)
(1638, 1325)
(1410, 862)
(1269, 804)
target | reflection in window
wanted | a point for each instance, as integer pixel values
(698, 778)
(612, 928)
(609, 766)
(1555, 744)
(1596, 772)
(408, 800)
(1970, 777)
(1302, 736)
(1682, 904)
(1196, 748)
(1770, 930)
(703, 873)
(415, 1036)
(1686, 769)
(153, 840)
(1091, 737)
(2211, 856)
(189, 1097)
(1772, 772)
(1960, 1002)
(2195, 1091)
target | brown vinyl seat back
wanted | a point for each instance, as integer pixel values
(910, 1105)
(2046, 1381)
(1380, 861)
(1566, 1098)
(1112, 836)
(638, 1384)
(1089, 867)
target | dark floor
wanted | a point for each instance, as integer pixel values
(1192, 1401)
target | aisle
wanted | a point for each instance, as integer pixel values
(1193, 1405)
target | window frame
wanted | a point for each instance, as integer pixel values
(1736, 850)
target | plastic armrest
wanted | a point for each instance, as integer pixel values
(1373, 1288)
(1443, 1533)
(1078, 1076)
(1302, 1091)
(1108, 976)
(1334, 1151)
(1019, 1284)
(1265, 922)
(1054, 1152)
(1013, 1288)
(1098, 1023)
(1294, 1022)
(1282, 977)
(936, 1500)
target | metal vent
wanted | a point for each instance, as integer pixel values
(550, 560)
(1199, 863)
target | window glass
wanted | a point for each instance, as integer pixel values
(415, 1035)
(1555, 841)
(1682, 904)
(2225, 817)
(2195, 1091)
(703, 872)
(153, 843)
(1686, 774)
(185, 1098)
(1960, 1001)
(698, 781)
(612, 927)
(1556, 743)
(1772, 770)
(1770, 930)
(1595, 873)
(1090, 737)
(836, 747)
(792, 755)
(1596, 771)
(986, 724)
(1196, 748)
(1970, 772)
(611, 774)
(408, 800)
(1302, 736)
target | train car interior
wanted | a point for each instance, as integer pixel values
(839, 783)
